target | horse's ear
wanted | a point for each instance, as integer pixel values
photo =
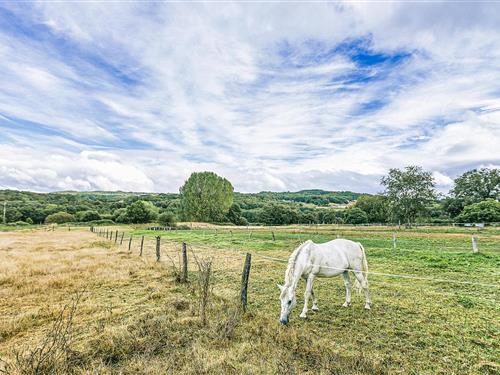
(280, 287)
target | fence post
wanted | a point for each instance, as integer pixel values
(116, 236)
(184, 276)
(274, 238)
(244, 281)
(158, 248)
(129, 243)
(475, 249)
(107, 234)
(142, 244)
(121, 239)
(394, 241)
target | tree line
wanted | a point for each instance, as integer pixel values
(408, 196)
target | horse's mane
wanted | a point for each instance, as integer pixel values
(292, 261)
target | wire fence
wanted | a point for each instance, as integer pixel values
(229, 258)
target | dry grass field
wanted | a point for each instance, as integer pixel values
(74, 302)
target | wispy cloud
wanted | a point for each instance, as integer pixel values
(136, 96)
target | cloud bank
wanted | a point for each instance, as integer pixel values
(136, 96)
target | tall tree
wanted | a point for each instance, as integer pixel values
(409, 192)
(206, 196)
(477, 185)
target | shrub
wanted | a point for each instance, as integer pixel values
(167, 219)
(486, 211)
(356, 216)
(59, 218)
(102, 222)
(141, 212)
(88, 216)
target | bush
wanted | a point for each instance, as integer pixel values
(88, 216)
(355, 216)
(19, 223)
(141, 212)
(167, 219)
(59, 218)
(487, 211)
(102, 222)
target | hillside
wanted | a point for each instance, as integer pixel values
(25, 205)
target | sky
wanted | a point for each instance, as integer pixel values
(281, 96)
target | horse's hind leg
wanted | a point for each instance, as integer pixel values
(347, 285)
(364, 285)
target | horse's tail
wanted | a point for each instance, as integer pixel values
(364, 266)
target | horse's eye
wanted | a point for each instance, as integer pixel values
(290, 302)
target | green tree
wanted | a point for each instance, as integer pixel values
(278, 214)
(206, 197)
(355, 216)
(88, 216)
(141, 212)
(452, 206)
(409, 192)
(487, 211)
(235, 215)
(477, 185)
(167, 219)
(59, 218)
(375, 206)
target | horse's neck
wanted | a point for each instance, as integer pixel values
(298, 269)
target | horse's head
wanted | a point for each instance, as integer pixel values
(288, 302)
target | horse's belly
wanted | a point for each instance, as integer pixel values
(327, 272)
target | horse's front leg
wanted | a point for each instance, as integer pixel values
(307, 294)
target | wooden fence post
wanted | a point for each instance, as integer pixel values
(394, 241)
(475, 249)
(121, 239)
(184, 276)
(116, 236)
(107, 234)
(158, 248)
(129, 243)
(244, 281)
(274, 238)
(142, 244)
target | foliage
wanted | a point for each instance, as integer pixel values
(276, 214)
(206, 197)
(355, 216)
(88, 215)
(487, 211)
(59, 218)
(477, 185)
(235, 215)
(375, 206)
(452, 206)
(167, 219)
(141, 212)
(409, 191)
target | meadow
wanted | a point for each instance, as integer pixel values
(133, 316)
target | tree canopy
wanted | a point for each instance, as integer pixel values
(477, 185)
(409, 191)
(206, 196)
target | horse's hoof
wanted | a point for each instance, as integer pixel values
(315, 308)
(346, 304)
(367, 307)
(303, 316)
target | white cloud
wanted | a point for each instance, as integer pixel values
(250, 91)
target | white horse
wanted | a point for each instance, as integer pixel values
(325, 260)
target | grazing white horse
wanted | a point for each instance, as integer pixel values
(325, 260)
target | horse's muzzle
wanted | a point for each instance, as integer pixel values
(284, 321)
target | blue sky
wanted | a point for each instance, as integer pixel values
(274, 96)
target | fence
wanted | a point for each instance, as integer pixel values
(247, 262)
